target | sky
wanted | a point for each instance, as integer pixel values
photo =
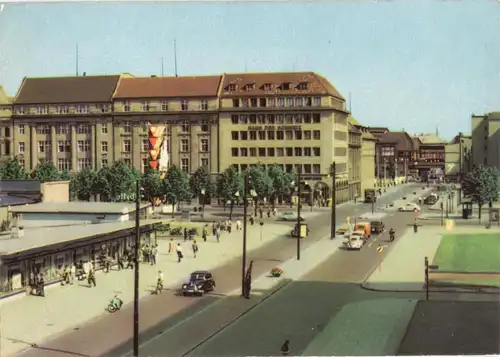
(415, 65)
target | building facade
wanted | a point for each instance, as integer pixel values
(430, 163)
(458, 157)
(367, 160)
(486, 139)
(5, 125)
(354, 169)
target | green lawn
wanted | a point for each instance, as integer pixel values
(469, 253)
(483, 282)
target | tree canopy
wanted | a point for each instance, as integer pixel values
(200, 180)
(12, 170)
(153, 185)
(176, 186)
(481, 185)
(46, 171)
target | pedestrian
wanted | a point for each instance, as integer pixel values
(261, 212)
(185, 234)
(72, 273)
(159, 282)
(67, 274)
(154, 255)
(217, 234)
(229, 226)
(251, 220)
(275, 211)
(119, 261)
(130, 260)
(41, 285)
(171, 246)
(179, 252)
(214, 228)
(91, 276)
(195, 248)
(269, 213)
(204, 233)
(238, 225)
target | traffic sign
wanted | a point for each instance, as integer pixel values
(380, 249)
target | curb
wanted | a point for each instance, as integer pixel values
(473, 289)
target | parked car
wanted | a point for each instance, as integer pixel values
(377, 227)
(430, 200)
(289, 217)
(409, 207)
(355, 241)
(200, 282)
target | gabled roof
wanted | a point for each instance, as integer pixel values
(67, 90)
(378, 131)
(4, 98)
(430, 139)
(164, 87)
(314, 84)
(399, 138)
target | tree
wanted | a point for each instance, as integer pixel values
(45, 171)
(82, 186)
(228, 184)
(12, 170)
(260, 182)
(117, 182)
(176, 186)
(200, 184)
(281, 182)
(152, 185)
(481, 185)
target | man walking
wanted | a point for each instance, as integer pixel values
(179, 253)
(204, 233)
(195, 248)
(238, 225)
(91, 278)
(171, 246)
(154, 254)
(217, 234)
(185, 234)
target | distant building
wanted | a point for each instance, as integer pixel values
(5, 124)
(486, 139)
(362, 164)
(430, 163)
(458, 157)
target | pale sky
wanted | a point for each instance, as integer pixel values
(408, 64)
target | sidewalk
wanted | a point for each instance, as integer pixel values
(34, 319)
(402, 269)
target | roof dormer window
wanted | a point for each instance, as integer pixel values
(250, 86)
(303, 86)
(285, 86)
(231, 88)
(267, 86)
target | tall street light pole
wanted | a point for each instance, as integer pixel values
(244, 254)
(298, 212)
(333, 172)
(136, 271)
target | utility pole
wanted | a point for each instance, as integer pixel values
(299, 224)
(175, 56)
(333, 172)
(244, 254)
(76, 59)
(136, 275)
(162, 66)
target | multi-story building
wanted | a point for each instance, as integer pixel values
(296, 120)
(367, 161)
(187, 106)
(354, 169)
(486, 139)
(430, 163)
(63, 120)
(5, 125)
(458, 157)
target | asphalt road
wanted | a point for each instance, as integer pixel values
(110, 335)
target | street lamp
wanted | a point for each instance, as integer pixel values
(244, 255)
(292, 189)
(333, 173)
(136, 267)
(310, 195)
(298, 212)
(203, 203)
(254, 195)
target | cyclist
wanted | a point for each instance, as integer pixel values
(159, 282)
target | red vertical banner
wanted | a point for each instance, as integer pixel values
(155, 138)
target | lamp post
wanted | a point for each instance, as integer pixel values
(244, 253)
(136, 268)
(442, 211)
(203, 203)
(298, 214)
(292, 190)
(310, 195)
(333, 173)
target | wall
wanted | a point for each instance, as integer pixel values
(367, 164)
(57, 219)
(56, 191)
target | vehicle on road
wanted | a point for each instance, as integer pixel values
(355, 241)
(295, 230)
(343, 231)
(431, 199)
(289, 217)
(199, 283)
(363, 227)
(115, 304)
(377, 227)
(370, 195)
(409, 207)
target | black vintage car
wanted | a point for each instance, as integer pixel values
(377, 227)
(200, 282)
(430, 200)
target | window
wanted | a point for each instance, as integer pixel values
(127, 145)
(270, 119)
(317, 151)
(204, 162)
(316, 118)
(261, 119)
(244, 152)
(127, 128)
(184, 104)
(317, 135)
(63, 146)
(62, 109)
(126, 106)
(262, 152)
(83, 163)
(271, 102)
(307, 118)
(204, 145)
(236, 102)
(285, 86)
(21, 110)
(307, 151)
(289, 119)
(145, 164)
(145, 106)
(104, 146)
(184, 145)
(22, 147)
(235, 135)
(83, 129)
(253, 135)
(289, 151)
(243, 119)
(253, 102)
(127, 162)
(43, 129)
(204, 125)
(316, 168)
(145, 144)
(270, 152)
(303, 86)
(7, 132)
(185, 126)
(204, 104)
(298, 118)
(280, 152)
(281, 102)
(104, 129)
(299, 102)
(298, 151)
(44, 146)
(164, 105)
(104, 162)
(63, 164)
(62, 129)
(250, 86)
(288, 135)
(253, 119)
(270, 135)
(42, 109)
(307, 135)
(83, 145)
(289, 102)
(82, 108)
(234, 119)
(262, 135)
(253, 152)
(288, 168)
(280, 118)
(104, 107)
(22, 163)
(243, 135)
(280, 135)
(268, 86)
(20, 129)
(317, 101)
(235, 152)
(244, 102)
(298, 135)
(231, 87)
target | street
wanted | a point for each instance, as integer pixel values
(111, 334)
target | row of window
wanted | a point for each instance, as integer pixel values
(306, 168)
(280, 102)
(63, 109)
(185, 106)
(301, 118)
(276, 152)
(276, 135)
(233, 87)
